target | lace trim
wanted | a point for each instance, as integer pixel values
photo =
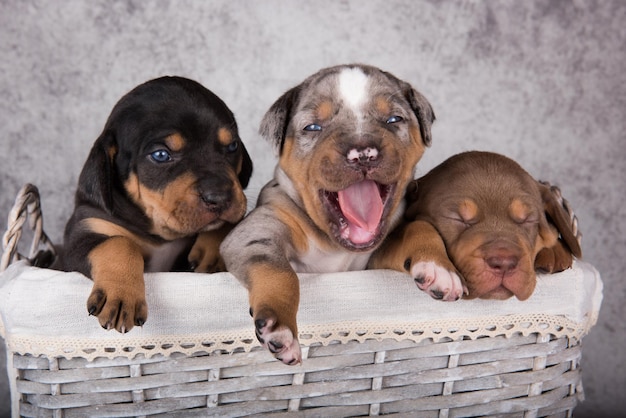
(319, 334)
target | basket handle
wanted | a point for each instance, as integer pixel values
(27, 206)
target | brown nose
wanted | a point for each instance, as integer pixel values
(502, 264)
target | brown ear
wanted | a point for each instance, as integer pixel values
(562, 223)
(274, 124)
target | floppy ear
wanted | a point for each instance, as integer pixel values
(274, 124)
(246, 167)
(561, 229)
(421, 107)
(95, 184)
(423, 110)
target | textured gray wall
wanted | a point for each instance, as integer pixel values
(541, 81)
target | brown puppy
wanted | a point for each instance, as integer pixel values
(349, 138)
(480, 213)
(162, 186)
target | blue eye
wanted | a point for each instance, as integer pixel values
(161, 156)
(233, 146)
(395, 119)
(314, 127)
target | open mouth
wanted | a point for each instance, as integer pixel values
(357, 212)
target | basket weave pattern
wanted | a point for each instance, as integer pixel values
(530, 375)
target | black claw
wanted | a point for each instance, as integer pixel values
(293, 361)
(92, 310)
(139, 322)
(258, 336)
(251, 312)
(420, 279)
(407, 264)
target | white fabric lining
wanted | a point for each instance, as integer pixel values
(43, 312)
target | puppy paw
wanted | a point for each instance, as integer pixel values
(278, 339)
(554, 259)
(204, 256)
(437, 281)
(117, 310)
(204, 262)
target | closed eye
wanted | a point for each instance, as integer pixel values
(529, 220)
(467, 223)
(161, 156)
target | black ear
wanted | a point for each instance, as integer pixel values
(95, 184)
(274, 124)
(423, 110)
(246, 167)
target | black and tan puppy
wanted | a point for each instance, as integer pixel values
(162, 186)
(482, 215)
(349, 138)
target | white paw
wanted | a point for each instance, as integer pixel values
(437, 281)
(279, 341)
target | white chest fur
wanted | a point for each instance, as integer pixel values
(319, 261)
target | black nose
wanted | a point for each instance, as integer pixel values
(217, 195)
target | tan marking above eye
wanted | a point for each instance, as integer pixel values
(518, 210)
(225, 136)
(382, 105)
(175, 142)
(324, 110)
(468, 210)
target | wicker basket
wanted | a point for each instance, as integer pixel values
(373, 344)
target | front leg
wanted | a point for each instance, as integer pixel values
(256, 254)
(274, 294)
(118, 295)
(204, 256)
(417, 248)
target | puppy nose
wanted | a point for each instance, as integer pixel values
(502, 263)
(217, 199)
(362, 155)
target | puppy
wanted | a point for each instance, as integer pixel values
(161, 187)
(482, 215)
(348, 138)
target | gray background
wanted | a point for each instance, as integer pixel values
(540, 81)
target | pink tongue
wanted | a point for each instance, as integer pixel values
(361, 205)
